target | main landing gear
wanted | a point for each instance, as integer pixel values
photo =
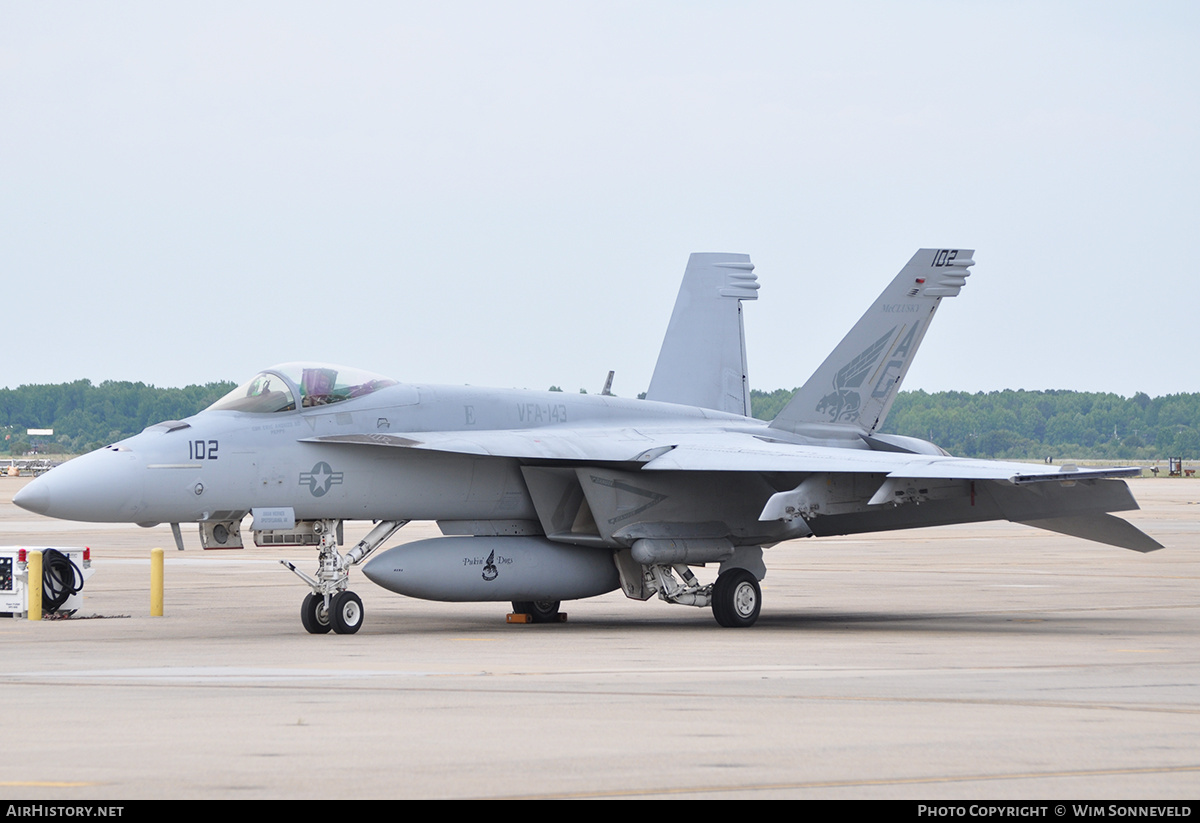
(539, 611)
(735, 597)
(331, 606)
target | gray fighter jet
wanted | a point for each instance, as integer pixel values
(544, 496)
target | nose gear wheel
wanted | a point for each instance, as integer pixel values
(314, 615)
(346, 613)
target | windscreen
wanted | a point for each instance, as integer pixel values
(316, 384)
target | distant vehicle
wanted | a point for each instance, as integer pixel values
(16, 467)
(544, 496)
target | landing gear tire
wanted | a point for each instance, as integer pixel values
(314, 615)
(539, 611)
(346, 613)
(736, 599)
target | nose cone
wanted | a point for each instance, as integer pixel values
(102, 487)
(35, 497)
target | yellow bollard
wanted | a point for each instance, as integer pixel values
(34, 567)
(156, 582)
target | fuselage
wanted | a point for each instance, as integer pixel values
(219, 464)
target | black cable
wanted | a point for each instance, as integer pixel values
(59, 576)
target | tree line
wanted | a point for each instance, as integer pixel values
(1000, 424)
(1019, 424)
(86, 417)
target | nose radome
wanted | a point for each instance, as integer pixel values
(104, 486)
(35, 497)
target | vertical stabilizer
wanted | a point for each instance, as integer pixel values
(703, 357)
(857, 383)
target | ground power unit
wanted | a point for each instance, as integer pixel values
(64, 571)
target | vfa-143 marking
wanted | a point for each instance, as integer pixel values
(544, 497)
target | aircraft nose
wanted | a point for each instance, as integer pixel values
(101, 487)
(35, 497)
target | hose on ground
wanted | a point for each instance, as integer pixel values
(61, 578)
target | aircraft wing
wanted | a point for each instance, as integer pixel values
(580, 444)
(729, 452)
(1064, 499)
(762, 456)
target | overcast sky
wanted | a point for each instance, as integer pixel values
(506, 193)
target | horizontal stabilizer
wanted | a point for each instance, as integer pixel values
(1102, 528)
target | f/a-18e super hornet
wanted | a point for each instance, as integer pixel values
(545, 496)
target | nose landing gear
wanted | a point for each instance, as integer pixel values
(331, 605)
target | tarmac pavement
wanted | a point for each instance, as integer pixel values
(985, 661)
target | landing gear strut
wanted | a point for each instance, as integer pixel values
(331, 606)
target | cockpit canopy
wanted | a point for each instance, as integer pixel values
(315, 384)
